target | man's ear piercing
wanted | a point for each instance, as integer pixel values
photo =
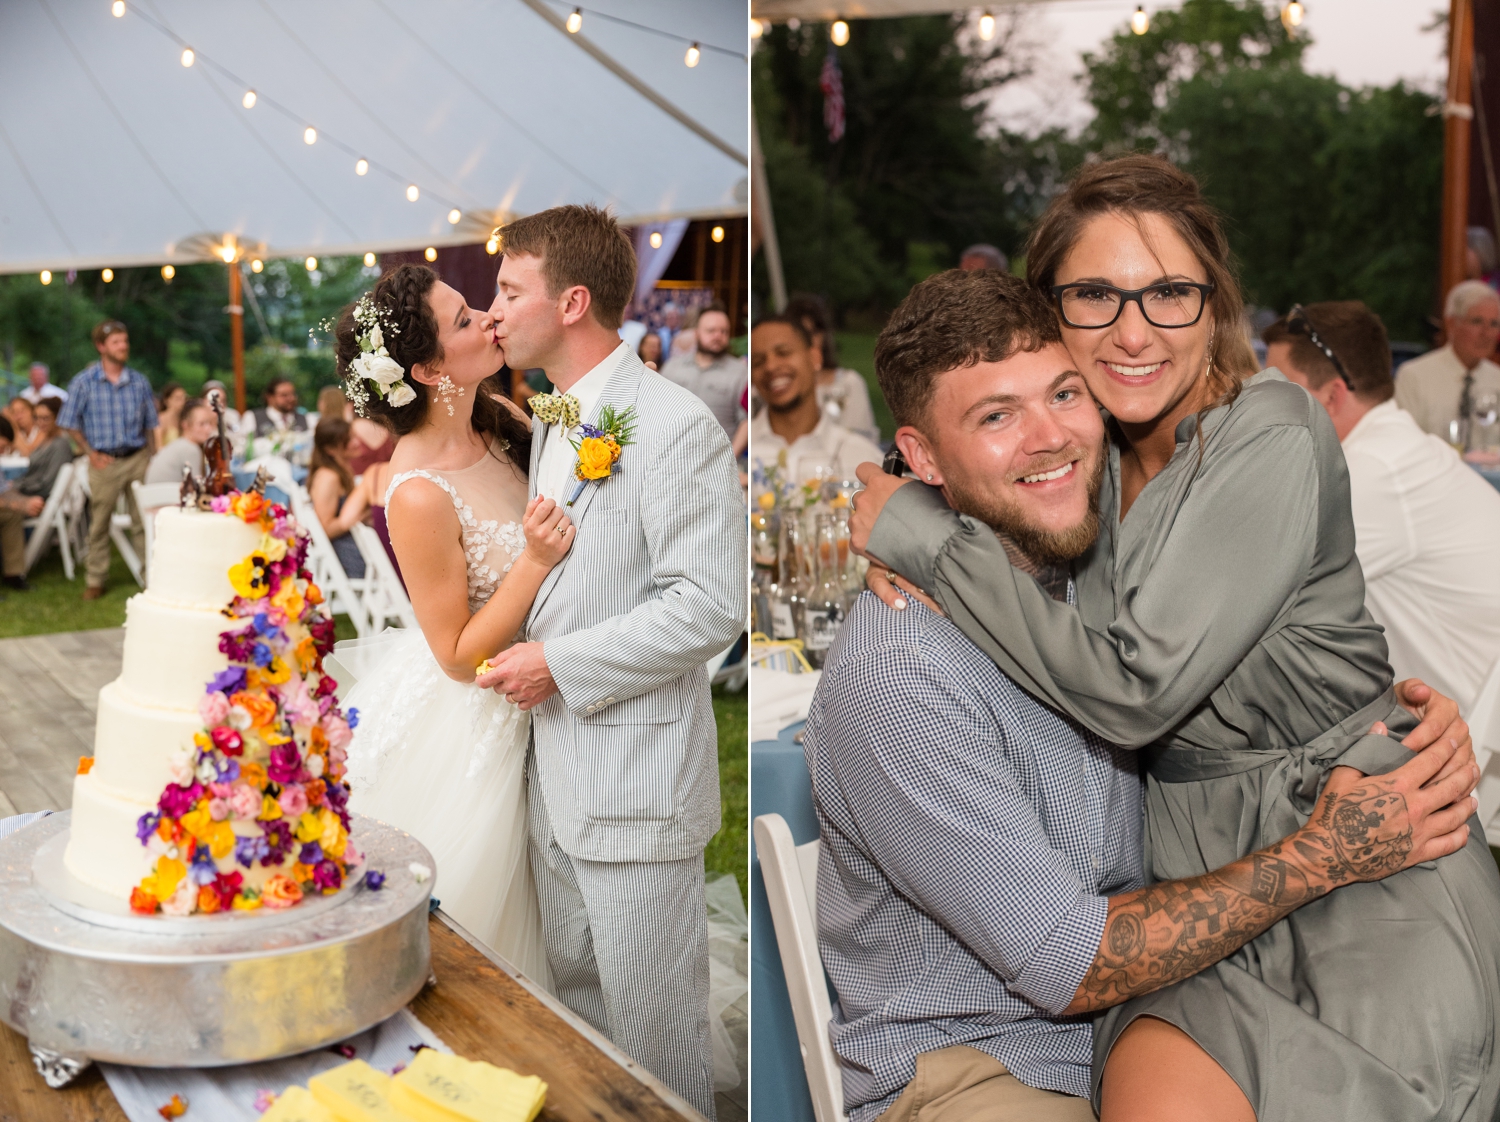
(929, 477)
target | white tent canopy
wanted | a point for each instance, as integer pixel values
(112, 152)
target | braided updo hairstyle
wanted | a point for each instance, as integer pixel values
(409, 330)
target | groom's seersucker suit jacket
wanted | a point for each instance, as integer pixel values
(654, 586)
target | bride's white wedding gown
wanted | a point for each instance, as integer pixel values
(442, 759)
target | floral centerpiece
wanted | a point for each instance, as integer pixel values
(270, 756)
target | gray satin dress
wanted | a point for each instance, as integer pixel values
(1221, 629)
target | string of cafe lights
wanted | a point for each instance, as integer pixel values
(696, 47)
(1292, 15)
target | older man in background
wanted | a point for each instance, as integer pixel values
(718, 378)
(1426, 525)
(1439, 388)
(40, 386)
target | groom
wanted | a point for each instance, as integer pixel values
(623, 772)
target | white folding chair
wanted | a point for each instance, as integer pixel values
(791, 874)
(53, 522)
(324, 563)
(385, 597)
(149, 498)
(120, 525)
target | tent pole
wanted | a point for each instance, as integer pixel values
(236, 312)
(764, 219)
(1456, 115)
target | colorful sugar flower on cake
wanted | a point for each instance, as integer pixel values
(256, 812)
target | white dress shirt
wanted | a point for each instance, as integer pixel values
(1427, 534)
(554, 472)
(828, 446)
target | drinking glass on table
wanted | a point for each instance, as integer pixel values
(1484, 422)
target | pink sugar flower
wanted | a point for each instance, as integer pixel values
(218, 809)
(213, 708)
(244, 801)
(293, 800)
(337, 730)
(220, 504)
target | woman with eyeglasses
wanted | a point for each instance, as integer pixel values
(1220, 627)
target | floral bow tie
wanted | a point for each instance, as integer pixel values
(550, 408)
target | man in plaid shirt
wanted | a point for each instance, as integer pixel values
(980, 879)
(111, 414)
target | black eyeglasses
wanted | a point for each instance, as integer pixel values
(1093, 305)
(1298, 324)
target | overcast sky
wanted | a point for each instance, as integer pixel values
(1361, 42)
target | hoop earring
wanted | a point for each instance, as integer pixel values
(446, 389)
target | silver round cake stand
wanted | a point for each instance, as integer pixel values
(205, 991)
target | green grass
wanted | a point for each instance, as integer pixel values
(729, 850)
(857, 351)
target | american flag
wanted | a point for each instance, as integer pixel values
(832, 84)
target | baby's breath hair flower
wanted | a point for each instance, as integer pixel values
(374, 371)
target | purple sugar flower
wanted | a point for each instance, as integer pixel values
(176, 801)
(311, 854)
(260, 654)
(229, 770)
(227, 681)
(278, 840)
(146, 824)
(203, 870)
(249, 850)
(327, 875)
(237, 645)
(374, 880)
(285, 764)
(352, 718)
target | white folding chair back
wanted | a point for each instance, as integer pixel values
(791, 875)
(53, 522)
(149, 498)
(1484, 727)
(324, 563)
(385, 598)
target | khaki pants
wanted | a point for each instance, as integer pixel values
(105, 489)
(12, 541)
(963, 1084)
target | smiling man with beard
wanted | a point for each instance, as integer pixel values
(974, 842)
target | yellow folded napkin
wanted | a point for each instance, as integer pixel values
(437, 1087)
(356, 1092)
(296, 1104)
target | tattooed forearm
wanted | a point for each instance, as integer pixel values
(1166, 932)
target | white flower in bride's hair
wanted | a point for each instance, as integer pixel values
(400, 394)
(376, 341)
(381, 370)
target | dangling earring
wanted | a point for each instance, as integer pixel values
(446, 390)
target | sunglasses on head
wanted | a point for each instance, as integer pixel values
(1298, 324)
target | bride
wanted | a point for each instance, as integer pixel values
(433, 754)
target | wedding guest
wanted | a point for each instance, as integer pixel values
(51, 451)
(279, 414)
(338, 503)
(169, 405)
(983, 256)
(15, 509)
(1434, 387)
(370, 443)
(23, 420)
(650, 350)
(784, 365)
(111, 414)
(186, 452)
(40, 387)
(842, 392)
(373, 484)
(215, 390)
(1426, 526)
(981, 887)
(716, 376)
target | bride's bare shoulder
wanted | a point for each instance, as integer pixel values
(417, 498)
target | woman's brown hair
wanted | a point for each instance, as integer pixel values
(331, 434)
(410, 333)
(1136, 185)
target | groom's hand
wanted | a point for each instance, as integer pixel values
(520, 675)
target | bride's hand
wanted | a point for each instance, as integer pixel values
(549, 532)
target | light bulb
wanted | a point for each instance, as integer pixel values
(430, 253)
(309, 135)
(1140, 23)
(692, 56)
(1292, 15)
(311, 263)
(492, 246)
(167, 273)
(227, 252)
(188, 56)
(248, 101)
(986, 27)
(369, 261)
(412, 194)
(453, 216)
(257, 265)
(757, 29)
(717, 233)
(108, 274)
(655, 239)
(46, 276)
(575, 21)
(118, 8)
(361, 166)
(839, 33)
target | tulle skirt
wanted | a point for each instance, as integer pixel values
(446, 762)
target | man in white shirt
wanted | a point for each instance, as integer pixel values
(1436, 388)
(1426, 525)
(41, 386)
(784, 368)
(711, 372)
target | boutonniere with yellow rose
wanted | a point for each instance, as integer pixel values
(599, 447)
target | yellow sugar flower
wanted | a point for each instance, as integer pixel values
(245, 903)
(306, 654)
(310, 827)
(276, 673)
(289, 600)
(163, 883)
(197, 822)
(220, 839)
(273, 548)
(269, 809)
(249, 577)
(334, 837)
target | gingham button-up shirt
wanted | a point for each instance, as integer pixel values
(111, 416)
(970, 837)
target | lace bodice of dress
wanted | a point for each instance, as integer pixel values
(490, 499)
